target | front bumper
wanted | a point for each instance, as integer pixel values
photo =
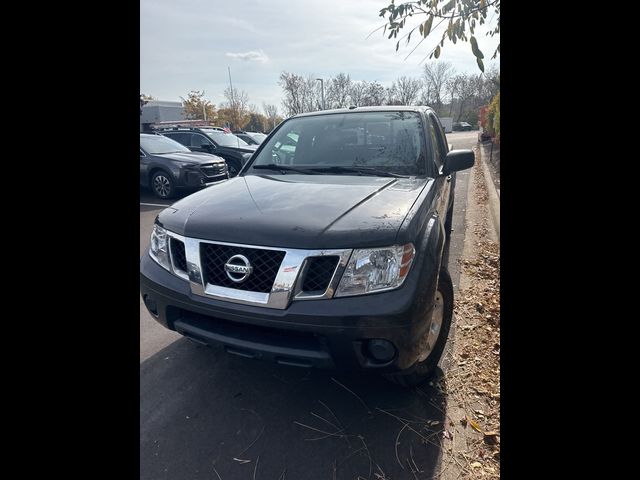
(195, 179)
(329, 333)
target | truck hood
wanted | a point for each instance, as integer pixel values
(297, 211)
(191, 157)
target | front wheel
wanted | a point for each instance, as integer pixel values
(162, 185)
(435, 338)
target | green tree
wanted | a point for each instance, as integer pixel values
(494, 116)
(236, 107)
(256, 122)
(225, 117)
(195, 106)
(462, 16)
(271, 113)
(337, 92)
(435, 77)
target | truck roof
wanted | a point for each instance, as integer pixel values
(381, 108)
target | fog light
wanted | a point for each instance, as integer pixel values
(381, 350)
(151, 304)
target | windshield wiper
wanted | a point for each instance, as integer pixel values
(367, 170)
(283, 168)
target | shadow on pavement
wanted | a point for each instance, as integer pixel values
(147, 196)
(202, 409)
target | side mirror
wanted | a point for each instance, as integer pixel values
(457, 160)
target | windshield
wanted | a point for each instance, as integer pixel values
(258, 137)
(386, 141)
(226, 139)
(157, 144)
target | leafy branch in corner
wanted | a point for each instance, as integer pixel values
(462, 17)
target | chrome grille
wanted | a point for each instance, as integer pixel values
(265, 264)
(277, 279)
(213, 169)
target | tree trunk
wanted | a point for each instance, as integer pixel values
(452, 99)
(460, 112)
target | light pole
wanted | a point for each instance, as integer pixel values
(204, 107)
(322, 90)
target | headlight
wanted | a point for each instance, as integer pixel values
(376, 269)
(159, 248)
(179, 164)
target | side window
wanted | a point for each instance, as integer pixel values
(442, 137)
(182, 138)
(198, 140)
(437, 141)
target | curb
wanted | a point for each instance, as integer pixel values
(494, 198)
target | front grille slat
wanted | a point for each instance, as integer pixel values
(178, 254)
(213, 170)
(319, 273)
(265, 263)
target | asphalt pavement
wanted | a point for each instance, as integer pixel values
(205, 414)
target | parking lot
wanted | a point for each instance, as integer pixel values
(207, 414)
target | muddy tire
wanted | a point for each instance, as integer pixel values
(423, 371)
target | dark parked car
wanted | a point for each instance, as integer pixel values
(166, 165)
(252, 138)
(234, 150)
(462, 126)
(331, 253)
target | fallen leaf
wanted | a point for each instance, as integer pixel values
(475, 425)
(447, 434)
(476, 465)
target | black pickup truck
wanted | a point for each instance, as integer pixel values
(327, 253)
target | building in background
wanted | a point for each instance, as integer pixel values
(157, 111)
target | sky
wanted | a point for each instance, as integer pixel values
(188, 44)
